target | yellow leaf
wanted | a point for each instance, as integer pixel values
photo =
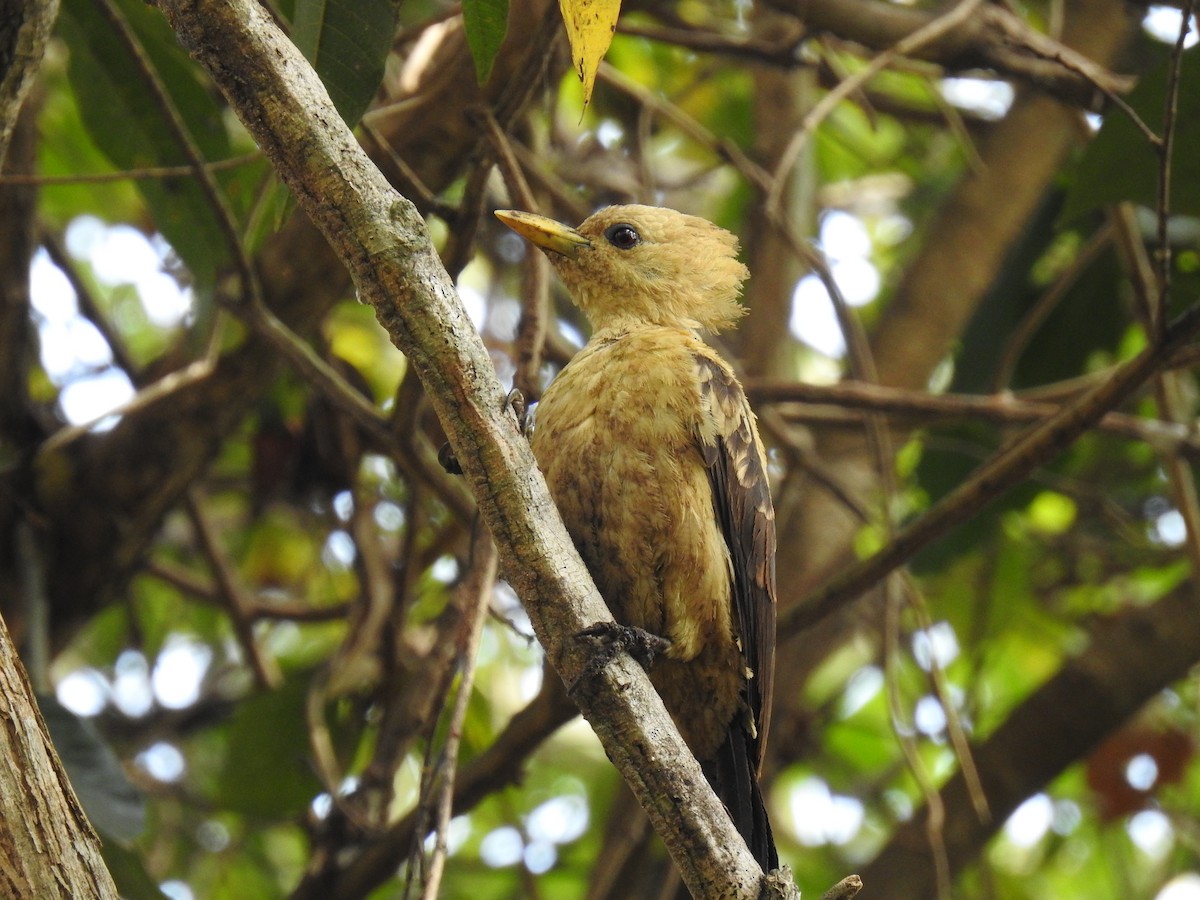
(590, 26)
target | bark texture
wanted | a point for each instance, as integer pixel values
(47, 846)
(382, 240)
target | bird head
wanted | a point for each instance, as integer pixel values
(630, 265)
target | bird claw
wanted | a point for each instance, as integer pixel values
(610, 638)
(448, 460)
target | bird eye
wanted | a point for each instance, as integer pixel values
(623, 237)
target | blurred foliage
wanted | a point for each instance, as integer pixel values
(1121, 164)
(347, 42)
(305, 504)
(111, 94)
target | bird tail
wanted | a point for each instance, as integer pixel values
(733, 774)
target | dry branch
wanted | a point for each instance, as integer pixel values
(995, 39)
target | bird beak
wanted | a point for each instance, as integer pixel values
(551, 236)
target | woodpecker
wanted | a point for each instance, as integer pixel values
(652, 455)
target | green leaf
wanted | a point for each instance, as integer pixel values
(267, 771)
(242, 877)
(128, 870)
(67, 148)
(112, 803)
(347, 42)
(486, 22)
(128, 126)
(1120, 164)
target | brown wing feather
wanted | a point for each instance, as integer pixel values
(742, 503)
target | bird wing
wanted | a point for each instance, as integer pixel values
(737, 472)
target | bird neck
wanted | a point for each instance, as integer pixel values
(653, 302)
(617, 328)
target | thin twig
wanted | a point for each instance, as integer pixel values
(1165, 151)
(935, 816)
(1002, 408)
(356, 660)
(183, 138)
(1016, 38)
(956, 118)
(535, 302)
(1168, 393)
(1167, 384)
(323, 753)
(316, 371)
(461, 243)
(415, 455)
(89, 306)
(782, 52)
(805, 460)
(1004, 470)
(410, 181)
(147, 396)
(1148, 286)
(238, 605)
(1139, 269)
(926, 34)
(1036, 315)
(941, 688)
(478, 589)
(499, 765)
(409, 678)
(147, 173)
(291, 611)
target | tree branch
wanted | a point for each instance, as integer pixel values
(105, 495)
(382, 240)
(962, 251)
(24, 29)
(1002, 408)
(1131, 657)
(47, 845)
(498, 766)
(1003, 471)
(994, 39)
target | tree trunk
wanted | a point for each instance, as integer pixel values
(47, 846)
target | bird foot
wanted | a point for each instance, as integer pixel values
(610, 638)
(448, 461)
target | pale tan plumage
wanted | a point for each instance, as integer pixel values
(651, 453)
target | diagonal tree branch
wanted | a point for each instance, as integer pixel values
(963, 249)
(105, 495)
(1131, 657)
(382, 240)
(994, 39)
(1003, 471)
(24, 30)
